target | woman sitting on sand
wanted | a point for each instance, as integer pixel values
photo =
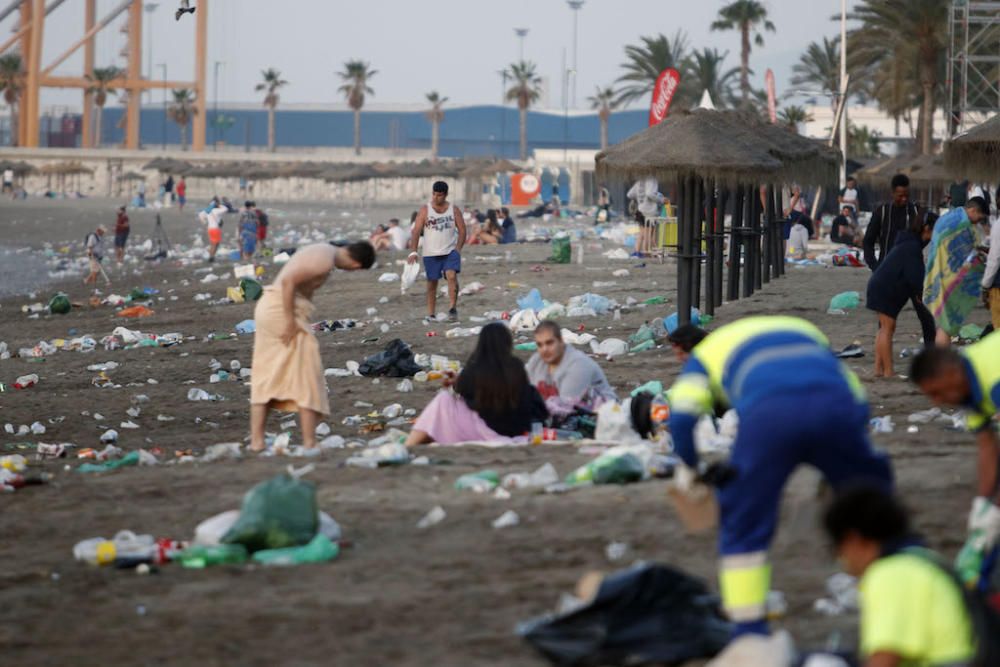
(900, 278)
(491, 401)
(380, 239)
(490, 232)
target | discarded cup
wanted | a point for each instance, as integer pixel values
(507, 520)
(432, 518)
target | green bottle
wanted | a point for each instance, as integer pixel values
(222, 554)
(482, 481)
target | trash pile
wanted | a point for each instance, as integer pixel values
(279, 523)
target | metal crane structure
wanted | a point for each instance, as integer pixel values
(29, 36)
(973, 63)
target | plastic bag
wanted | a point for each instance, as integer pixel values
(562, 251)
(59, 304)
(277, 513)
(251, 289)
(648, 613)
(531, 301)
(410, 274)
(844, 301)
(396, 361)
(672, 321)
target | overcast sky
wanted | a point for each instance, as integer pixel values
(453, 46)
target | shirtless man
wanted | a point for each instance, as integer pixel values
(443, 229)
(287, 368)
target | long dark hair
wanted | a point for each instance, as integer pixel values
(493, 378)
(492, 222)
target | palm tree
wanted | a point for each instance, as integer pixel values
(605, 101)
(862, 141)
(647, 61)
(11, 84)
(270, 85)
(707, 75)
(819, 67)
(746, 16)
(903, 43)
(435, 116)
(181, 111)
(793, 116)
(355, 76)
(527, 89)
(100, 87)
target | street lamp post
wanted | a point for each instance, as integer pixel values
(521, 34)
(843, 90)
(575, 6)
(150, 8)
(215, 112)
(163, 68)
(504, 75)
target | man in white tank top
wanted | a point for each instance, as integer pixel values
(443, 228)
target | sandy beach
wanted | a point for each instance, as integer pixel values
(449, 595)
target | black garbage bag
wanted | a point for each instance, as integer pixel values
(395, 361)
(648, 613)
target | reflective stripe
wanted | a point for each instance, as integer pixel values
(691, 394)
(772, 354)
(744, 580)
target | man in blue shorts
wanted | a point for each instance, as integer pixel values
(443, 228)
(248, 231)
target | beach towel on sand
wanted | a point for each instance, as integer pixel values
(954, 271)
(288, 376)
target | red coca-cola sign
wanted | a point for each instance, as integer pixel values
(663, 93)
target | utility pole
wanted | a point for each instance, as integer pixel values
(575, 5)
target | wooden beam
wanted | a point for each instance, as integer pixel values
(200, 123)
(22, 29)
(88, 35)
(25, 25)
(34, 61)
(134, 106)
(90, 19)
(14, 38)
(123, 83)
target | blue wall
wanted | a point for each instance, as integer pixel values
(466, 131)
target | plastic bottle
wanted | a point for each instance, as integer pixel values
(480, 482)
(26, 381)
(220, 554)
(125, 544)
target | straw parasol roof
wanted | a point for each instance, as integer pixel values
(168, 165)
(725, 145)
(975, 153)
(352, 173)
(72, 168)
(133, 176)
(928, 170)
(18, 168)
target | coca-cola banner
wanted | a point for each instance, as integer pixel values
(663, 93)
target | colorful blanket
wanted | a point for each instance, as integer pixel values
(954, 271)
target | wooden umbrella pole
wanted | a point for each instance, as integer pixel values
(749, 256)
(710, 249)
(697, 234)
(758, 238)
(779, 240)
(768, 245)
(735, 241)
(720, 239)
(684, 273)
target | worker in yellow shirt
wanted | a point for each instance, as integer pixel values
(912, 608)
(796, 404)
(970, 379)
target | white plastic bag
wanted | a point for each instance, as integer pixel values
(410, 274)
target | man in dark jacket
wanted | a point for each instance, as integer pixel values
(887, 220)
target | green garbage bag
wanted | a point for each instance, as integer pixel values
(609, 468)
(59, 304)
(562, 251)
(845, 301)
(277, 513)
(138, 295)
(251, 289)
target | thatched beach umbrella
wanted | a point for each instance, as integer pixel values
(718, 159)
(975, 154)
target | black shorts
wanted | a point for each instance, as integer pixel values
(121, 239)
